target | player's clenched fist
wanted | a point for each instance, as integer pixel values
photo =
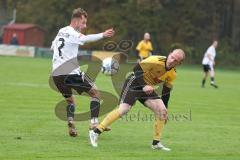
(108, 33)
(148, 89)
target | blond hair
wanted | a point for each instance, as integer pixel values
(78, 13)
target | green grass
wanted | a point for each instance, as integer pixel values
(27, 111)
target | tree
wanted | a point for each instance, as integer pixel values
(236, 24)
(191, 24)
(3, 9)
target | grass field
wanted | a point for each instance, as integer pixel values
(208, 129)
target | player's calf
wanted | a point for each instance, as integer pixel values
(70, 118)
(213, 83)
(72, 129)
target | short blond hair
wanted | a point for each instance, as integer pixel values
(78, 13)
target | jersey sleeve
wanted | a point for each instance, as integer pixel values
(171, 76)
(81, 39)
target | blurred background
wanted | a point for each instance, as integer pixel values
(191, 25)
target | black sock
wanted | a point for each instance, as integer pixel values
(70, 111)
(212, 79)
(203, 82)
(96, 130)
(94, 107)
(155, 142)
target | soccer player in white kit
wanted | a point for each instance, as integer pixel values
(208, 63)
(66, 72)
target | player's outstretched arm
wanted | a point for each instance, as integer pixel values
(82, 39)
(90, 38)
(108, 33)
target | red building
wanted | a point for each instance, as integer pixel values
(27, 34)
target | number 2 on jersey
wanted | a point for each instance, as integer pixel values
(61, 46)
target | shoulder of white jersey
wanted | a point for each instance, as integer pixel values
(209, 49)
(68, 30)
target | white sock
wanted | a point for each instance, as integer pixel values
(94, 120)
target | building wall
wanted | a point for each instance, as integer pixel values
(34, 37)
(8, 34)
(31, 36)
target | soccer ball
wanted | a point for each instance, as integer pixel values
(110, 66)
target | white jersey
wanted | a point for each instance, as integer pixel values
(212, 52)
(65, 50)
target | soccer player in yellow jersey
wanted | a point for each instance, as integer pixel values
(139, 86)
(144, 47)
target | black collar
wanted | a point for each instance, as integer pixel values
(167, 69)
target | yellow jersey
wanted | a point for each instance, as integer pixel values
(155, 72)
(144, 48)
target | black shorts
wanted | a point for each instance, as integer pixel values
(132, 92)
(65, 84)
(206, 68)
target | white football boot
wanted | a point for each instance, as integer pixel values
(160, 147)
(93, 138)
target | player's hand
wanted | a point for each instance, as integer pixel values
(108, 33)
(148, 89)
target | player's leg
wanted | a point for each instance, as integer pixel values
(94, 106)
(70, 116)
(113, 116)
(212, 75)
(66, 91)
(89, 87)
(127, 99)
(206, 72)
(107, 121)
(82, 83)
(160, 111)
(204, 79)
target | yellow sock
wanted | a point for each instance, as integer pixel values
(109, 119)
(158, 128)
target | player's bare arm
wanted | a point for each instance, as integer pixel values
(108, 33)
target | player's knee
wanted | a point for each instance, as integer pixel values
(94, 93)
(161, 113)
(123, 109)
(157, 112)
(70, 100)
